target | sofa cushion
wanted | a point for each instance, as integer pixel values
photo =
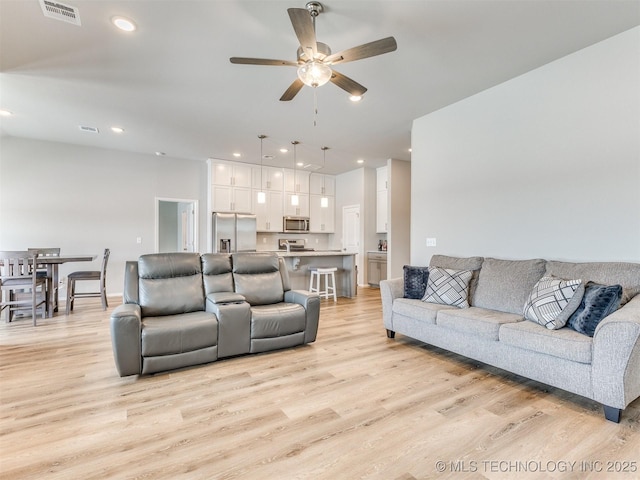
(448, 287)
(564, 343)
(477, 322)
(268, 321)
(170, 283)
(553, 300)
(419, 310)
(415, 281)
(604, 273)
(167, 335)
(505, 285)
(460, 263)
(257, 277)
(216, 272)
(598, 302)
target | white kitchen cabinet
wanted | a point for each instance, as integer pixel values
(300, 210)
(296, 181)
(320, 184)
(231, 199)
(382, 200)
(272, 178)
(322, 219)
(231, 174)
(269, 214)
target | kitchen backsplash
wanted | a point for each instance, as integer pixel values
(320, 241)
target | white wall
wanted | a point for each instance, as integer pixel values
(89, 199)
(544, 165)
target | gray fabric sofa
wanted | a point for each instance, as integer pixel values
(604, 368)
(183, 309)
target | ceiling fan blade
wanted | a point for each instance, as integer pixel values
(261, 61)
(292, 91)
(345, 83)
(371, 49)
(303, 26)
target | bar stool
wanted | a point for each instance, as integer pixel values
(318, 273)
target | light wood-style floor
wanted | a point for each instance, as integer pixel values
(354, 404)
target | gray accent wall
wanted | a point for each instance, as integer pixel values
(544, 165)
(88, 199)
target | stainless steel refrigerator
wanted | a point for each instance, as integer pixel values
(234, 232)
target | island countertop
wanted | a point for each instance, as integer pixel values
(314, 253)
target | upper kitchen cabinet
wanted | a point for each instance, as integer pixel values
(268, 178)
(299, 210)
(269, 214)
(231, 187)
(382, 200)
(296, 181)
(231, 174)
(320, 184)
(322, 213)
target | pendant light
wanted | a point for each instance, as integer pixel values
(262, 197)
(295, 200)
(324, 201)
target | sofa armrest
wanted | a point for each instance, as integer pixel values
(311, 303)
(126, 328)
(616, 357)
(389, 291)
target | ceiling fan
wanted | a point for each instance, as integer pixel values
(315, 60)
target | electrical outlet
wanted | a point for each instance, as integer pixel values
(431, 242)
(138, 239)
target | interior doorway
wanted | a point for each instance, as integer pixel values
(176, 225)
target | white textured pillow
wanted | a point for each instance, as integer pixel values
(448, 287)
(553, 300)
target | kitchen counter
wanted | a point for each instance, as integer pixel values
(298, 264)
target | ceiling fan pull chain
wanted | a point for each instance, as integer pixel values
(315, 106)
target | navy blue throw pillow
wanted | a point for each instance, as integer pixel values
(415, 281)
(598, 302)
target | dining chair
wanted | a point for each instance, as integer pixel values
(52, 287)
(97, 275)
(20, 286)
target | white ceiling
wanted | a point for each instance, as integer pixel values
(171, 86)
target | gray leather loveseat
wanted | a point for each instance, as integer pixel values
(183, 309)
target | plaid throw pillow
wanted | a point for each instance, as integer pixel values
(448, 287)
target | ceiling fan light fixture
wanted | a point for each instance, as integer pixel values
(314, 73)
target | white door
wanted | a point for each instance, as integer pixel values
(351, 234)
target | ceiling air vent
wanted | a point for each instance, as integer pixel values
(84, 128)
(312, 166)
(60, 11)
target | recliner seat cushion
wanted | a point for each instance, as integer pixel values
(168, 335)
(269, 321)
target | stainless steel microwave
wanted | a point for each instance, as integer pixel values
(295, 224)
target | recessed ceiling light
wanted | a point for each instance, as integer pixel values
(355, 98)
(300, 164)
(160, 154)
(409, 150)
(237, 155)
(284, 150)
(124, 24)
(117, 129)
(360, 160)
(5, 113)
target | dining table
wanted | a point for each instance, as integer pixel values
(52, 264)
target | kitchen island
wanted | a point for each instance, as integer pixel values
(298, 264)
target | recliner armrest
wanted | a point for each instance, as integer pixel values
(311, 303)
(126, 328)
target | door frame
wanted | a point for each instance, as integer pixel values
(194, 226)
(359, 257)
